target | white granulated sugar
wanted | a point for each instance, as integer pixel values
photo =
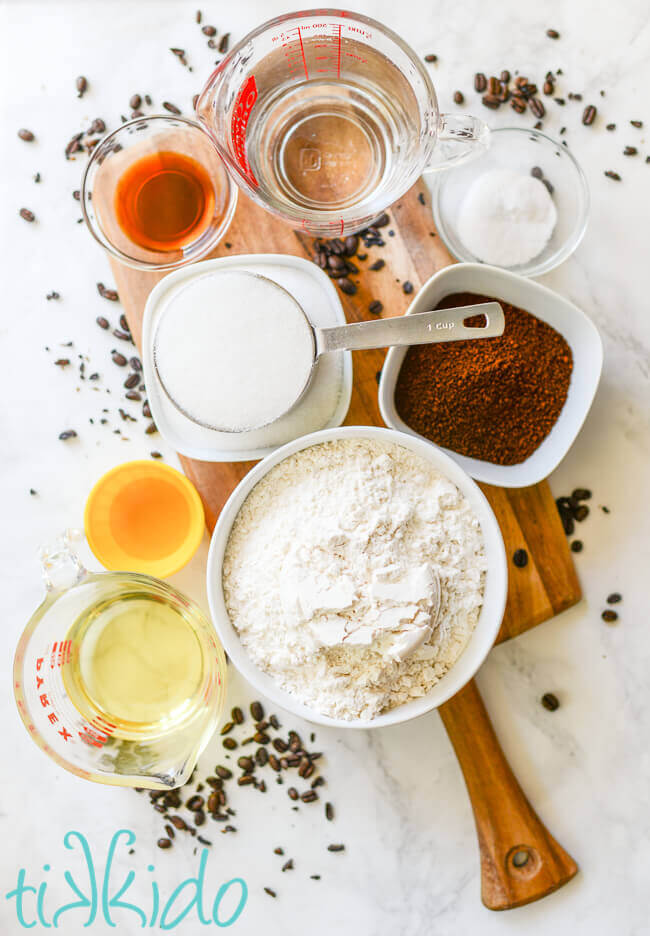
(506, 218)
(331, 576)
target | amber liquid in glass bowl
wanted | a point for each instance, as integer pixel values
(164, 201)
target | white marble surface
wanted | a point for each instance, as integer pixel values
(411, 866)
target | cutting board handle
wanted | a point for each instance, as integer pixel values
(520, 859)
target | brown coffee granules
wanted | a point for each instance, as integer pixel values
(495, 399)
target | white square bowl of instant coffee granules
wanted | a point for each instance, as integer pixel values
(357, 577)
(439, 415)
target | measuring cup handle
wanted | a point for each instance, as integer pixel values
(460, 138)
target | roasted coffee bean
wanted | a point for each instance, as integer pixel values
(118, 359)
(261, 756)
(637, 123)
(151, 429)
(552, 34)
(548, 186)
(26, 135)
(480, 82)
(199, 818)
(536, 172)
(346, 286)
(351, 267)
(208, 30)
(550, 701)
(336, 263)
(581, 513)
(288, 865)
(560, 101)
(135, 101)
(493, 85)
(382, 220)
(537, 107)
(377, 265)
(309, 796)
(230, 744)
(630, 151)
(589, 115)
(122, 335)
(171, 108)
(292, 793)
(245, 780)
(577, 546)
(146, 410)
(548, 88)
(274, 763)
(223, 772)
(237, 715)
(319, 781)
(270, 892)
(178, 822)
(170, 831)
(520, 558)
(62, 362)
(164, 843)
(215, 783)
(609, 616)
(351, 245)
(614, 598)
(538, 125)
(580, 494)
(610, 126)
(131, 381)
(375, 307)
(180, 55)
(459, 97)
(228, 727)
(27, 215)
(336, 848)
(195, 802)
(225, 42)
(110, 294)
(246, 763)
(261, 737)
(518, 103)
(280, 745)
(613, 175)
(491, 101)
(67, 434)
(81, 85)
(430, 58)
(407, 287)
(257, 711)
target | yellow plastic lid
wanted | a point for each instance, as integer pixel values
(144, 517)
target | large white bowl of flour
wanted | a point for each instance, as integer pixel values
(323, 577)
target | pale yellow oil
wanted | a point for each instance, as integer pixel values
(138, 664)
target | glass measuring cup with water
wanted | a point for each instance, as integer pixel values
(118, 677)
(326, 117)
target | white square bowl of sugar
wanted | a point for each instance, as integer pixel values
(575, 327)
(324, 404)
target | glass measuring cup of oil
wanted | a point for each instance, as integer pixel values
(118, 676)
(327, 117)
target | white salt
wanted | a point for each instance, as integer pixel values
(233, 350)
(506, 218)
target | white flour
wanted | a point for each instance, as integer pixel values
(331, 576)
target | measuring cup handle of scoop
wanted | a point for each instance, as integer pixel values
(421, 328)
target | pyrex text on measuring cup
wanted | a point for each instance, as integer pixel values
(327, 117)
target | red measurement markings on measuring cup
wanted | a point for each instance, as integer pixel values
(60, 654)
(240, 116)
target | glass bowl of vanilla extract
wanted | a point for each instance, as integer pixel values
(156, 194)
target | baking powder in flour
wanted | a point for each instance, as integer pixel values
(331, 576)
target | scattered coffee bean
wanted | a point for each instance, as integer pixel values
(576, 546)
(336, 848)
(246, 763)
(346, 286)
(518, 104)
(110, 294)
(288, 865)
(26, 135)
(612, 175)
(550, 701)
(237, 715)
(536, 172)
(431, 58)
(230, 744)
(610, 126)
(82, 85)
(491, 101)
(537, 107)
(309, 796)
(630, 151)
(122, 335)
(459, 97)
(171, 108)
(375, 307)
(329, 812)
(155, 454)
(223, 772)
(67, 434)
(520, 558)
(135, 101)
(292, 793)
(257, 711)
(62, 362)
(27, 215)
(589, 115)
(609, 616)
(152, 430)
(407, 287)
(118, 359)
(560, 101)
(581, 513)
(270, 892)
(552, 34)
(377, 265)
(146, 410)
(637, 123)
(208, 30)
(580, 494)
(53, 295)
(225, 42)
(180, 55)
(480, 82)
(227, 728)
(164, 843)
(614, 598)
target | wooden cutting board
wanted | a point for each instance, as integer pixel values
(506, 824)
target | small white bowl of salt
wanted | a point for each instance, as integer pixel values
(522, 206)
